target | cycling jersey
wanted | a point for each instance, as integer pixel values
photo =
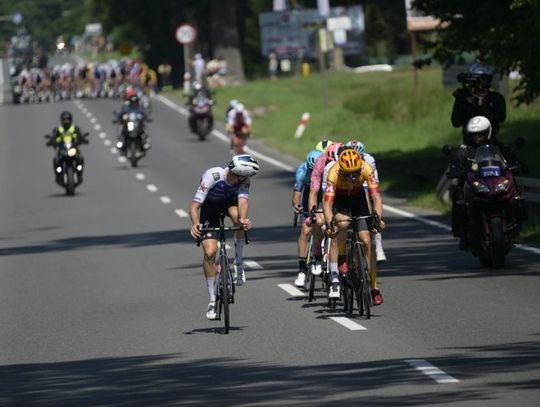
(214, 188)
(303, 177)
(238, 124)
(339, 183)
(317, 173)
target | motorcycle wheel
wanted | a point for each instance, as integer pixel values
(70, 181)
(497, 242)
(132, 154)
(202, 126)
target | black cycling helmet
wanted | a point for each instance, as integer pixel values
(66, 119)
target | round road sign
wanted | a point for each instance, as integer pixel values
(185, 34)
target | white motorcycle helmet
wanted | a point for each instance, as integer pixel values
(479, 129)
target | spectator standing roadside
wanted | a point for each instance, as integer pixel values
(199, 66)
(272, 66)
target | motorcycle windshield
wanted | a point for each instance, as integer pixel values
(491, 162)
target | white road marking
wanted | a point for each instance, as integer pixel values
(89, 115)
(102, 135)
(122, 159)
(114, 150)
(84, 110)
(432, 371)
(228, 246)
(349, 324)
(93, 120)
(252, 265)
(140, 176)
(107, 142)
(286, 167)
(182, 213)
(151, 188)
(291, 290)
(97, 127)
(165, 199)
(1, 81)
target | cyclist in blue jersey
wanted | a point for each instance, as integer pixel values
(222, 190)
(300, 204)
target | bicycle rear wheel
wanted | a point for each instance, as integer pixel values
(225, 293)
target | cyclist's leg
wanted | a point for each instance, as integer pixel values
(209, 217)
(239, 242)
(302, 254)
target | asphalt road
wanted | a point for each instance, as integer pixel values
(102, 298)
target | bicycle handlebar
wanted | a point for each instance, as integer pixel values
(305, 214)
(225, 229)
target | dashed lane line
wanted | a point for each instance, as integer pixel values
(291, 290)
(181, 213)
(97, 127)
(349, 323)
(114, 150)
(151, 188)
(93, 120)
(432, 371)
(253, 265)
(107, 142)
(165, 199)
(140, 176)
(102, 135)
(122, 159)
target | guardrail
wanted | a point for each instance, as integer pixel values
(531, 188)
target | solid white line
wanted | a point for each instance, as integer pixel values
(349, 324)
(97, 127)
(165, 199)
(252, 265)
(107, 142)
(114, 150)
(140, 176)
(102, 135)
(289, 289)
(418, 218)
(434, 372)
(286, 167)
(182, 213)
(151, 188)
(121, 159)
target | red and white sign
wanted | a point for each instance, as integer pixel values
(302, 126)
(185, 34)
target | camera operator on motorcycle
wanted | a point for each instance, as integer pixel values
(132, 105)
(475, 98)
(66, 132)
(200, 92)
(238, 127)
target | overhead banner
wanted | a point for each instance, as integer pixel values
(294, 33)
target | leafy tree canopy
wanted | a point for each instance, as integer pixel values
(502, 33)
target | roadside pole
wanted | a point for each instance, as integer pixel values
(322, 48)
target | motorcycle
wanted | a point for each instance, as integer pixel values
(201, 112)
(494, 206)
(69, 164)
(130, 143)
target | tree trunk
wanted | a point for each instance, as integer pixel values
(225, 40)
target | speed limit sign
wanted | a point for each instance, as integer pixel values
(185, 34)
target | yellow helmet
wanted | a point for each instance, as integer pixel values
(350, 160)
(323, 144)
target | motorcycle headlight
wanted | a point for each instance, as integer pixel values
(130, 126)
(72, 152)
(481, 188)
(503, 186)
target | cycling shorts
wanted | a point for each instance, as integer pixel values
(354, 205)
(210, 212)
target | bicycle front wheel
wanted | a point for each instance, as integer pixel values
(364, 289)
(225, 291)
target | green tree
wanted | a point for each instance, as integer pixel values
(502, 33)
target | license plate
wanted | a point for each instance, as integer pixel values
(490, 172)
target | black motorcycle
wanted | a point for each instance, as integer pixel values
(68, 163)
(132, 138)
(201, 116)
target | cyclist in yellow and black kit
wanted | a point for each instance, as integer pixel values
(344, 197)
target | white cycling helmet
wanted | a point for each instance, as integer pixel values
(233, 103)
(479, 126)
(239, 108)
(244, 165)
(357, 145)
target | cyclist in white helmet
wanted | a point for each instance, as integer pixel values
(222, 190)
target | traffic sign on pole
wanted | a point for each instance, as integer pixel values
(185, 34)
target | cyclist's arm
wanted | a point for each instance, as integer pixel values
(195, 219)
(296, 199)
(243, 207)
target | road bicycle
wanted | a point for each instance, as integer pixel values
(224, 284)
(357, 282)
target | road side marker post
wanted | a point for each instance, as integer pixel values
(302, 126)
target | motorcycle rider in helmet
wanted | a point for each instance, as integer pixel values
(132, 105)
(66, 130)
(199, 91)
(475, 98)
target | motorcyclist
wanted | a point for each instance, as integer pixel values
(199, 92)
(132, 105)
(66, 132)
(475, 98)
